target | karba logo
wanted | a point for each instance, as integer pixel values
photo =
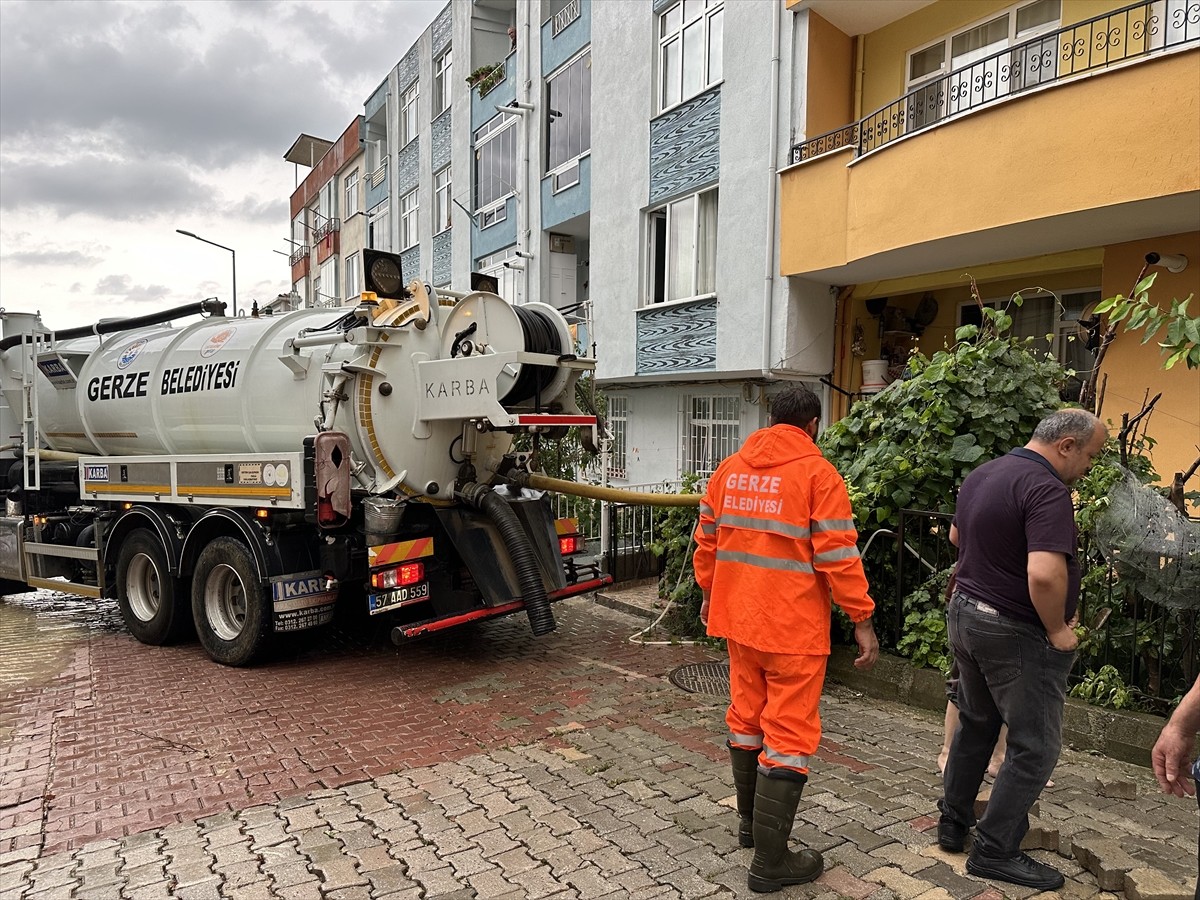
(95, 473)
(286, 590)
(216, 342)
(130, 353)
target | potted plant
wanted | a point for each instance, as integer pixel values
(486, 77)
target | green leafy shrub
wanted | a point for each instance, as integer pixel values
(674, 527)
(925, 640)
(1104, 687)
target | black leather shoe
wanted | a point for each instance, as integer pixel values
(1020, 869)
(951, 835)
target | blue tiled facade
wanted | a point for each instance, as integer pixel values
(441, 141)
(685, 147)
(408, 168)
(443, 258)
(681, 338)
(442, 30)
(410, 263)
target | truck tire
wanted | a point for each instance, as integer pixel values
(229, 606)
(152, 602)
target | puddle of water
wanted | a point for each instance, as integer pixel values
(39, 629)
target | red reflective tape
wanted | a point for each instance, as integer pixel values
(582, 587)
(425, 628)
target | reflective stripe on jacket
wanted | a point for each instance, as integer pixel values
(776, 535)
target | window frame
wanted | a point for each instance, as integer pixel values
(441, 199)
(353, 276)
(555, 167)
(664, 212)
(350, 193)
(409, 125)
(378, 225)
(410, 225)
(709, 10)
(494, 129)
(719, 443)
(618, 425)
(443, 75)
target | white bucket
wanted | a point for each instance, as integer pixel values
(874, 375)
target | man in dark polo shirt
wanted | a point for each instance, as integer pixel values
(1017, 586)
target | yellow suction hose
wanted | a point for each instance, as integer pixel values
(597, 492)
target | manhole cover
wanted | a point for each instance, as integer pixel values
(702, 678)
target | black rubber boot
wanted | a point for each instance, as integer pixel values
(745, 779)
(774, 865)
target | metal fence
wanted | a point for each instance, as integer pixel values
(621, 534)
(1156, 650)
(1105, 41)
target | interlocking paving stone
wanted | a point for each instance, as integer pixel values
(572, 769)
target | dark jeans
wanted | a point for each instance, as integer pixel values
(1008, 674)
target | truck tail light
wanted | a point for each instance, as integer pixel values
(398, 576)
(569, 544)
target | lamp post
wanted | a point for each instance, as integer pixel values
(223, 247)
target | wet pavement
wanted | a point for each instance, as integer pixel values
(480, 763)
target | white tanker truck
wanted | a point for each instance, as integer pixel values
(242, 476)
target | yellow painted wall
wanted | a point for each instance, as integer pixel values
(830, 93)
(887, 48)
(1133, 367)
(1096, 143)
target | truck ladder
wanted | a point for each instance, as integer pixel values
(31, 437)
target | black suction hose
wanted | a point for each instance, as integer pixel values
(537, 604)
(540, 337)
(214, 307)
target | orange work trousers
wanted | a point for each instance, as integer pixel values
(775, 701)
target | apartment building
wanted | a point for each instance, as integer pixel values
(694, 327)
(1042, 146)
(328, 224)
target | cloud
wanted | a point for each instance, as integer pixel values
(122, 287)
(57, 258)
(106, 187)
(252, 209)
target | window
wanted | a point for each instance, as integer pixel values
(569, 117)
(409, 233)
(378, 235)
(495, 162)
(443, 76)
(506, 267)
(326, 285)
(618, 424)
(353, 277)
(689, 49)
(350, 186)
(375, 138)
(441, 200)
(408, 115)
(682, 254)
(326, 203)
(985, 71)
(1057, 318)
(710, 432)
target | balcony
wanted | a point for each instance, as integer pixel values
(328, 227)
(1072, 140)
(299, 255)
(1117, 38)
(564, 17)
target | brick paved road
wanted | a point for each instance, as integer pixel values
(486, 763)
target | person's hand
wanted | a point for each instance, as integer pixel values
(868, 645)
(1170, 758)
(1064, 640)
(704, 610)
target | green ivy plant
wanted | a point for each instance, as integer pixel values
(925, 640)
(1181, 341)
(674, 527)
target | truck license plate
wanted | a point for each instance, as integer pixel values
(399, 597)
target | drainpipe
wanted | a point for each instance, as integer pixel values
(525, 66)
(860, 48)
(773, 191)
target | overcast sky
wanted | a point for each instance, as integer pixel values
(123, 121)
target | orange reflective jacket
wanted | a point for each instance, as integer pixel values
(776, 535)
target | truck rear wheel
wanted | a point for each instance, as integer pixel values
(152, 603)
(229, 606)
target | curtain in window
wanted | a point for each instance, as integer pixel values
(706, 244)
(682, 243)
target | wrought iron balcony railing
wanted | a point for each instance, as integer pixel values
(564, 17)
(327, 228)
(1139, 31)
(299, 254)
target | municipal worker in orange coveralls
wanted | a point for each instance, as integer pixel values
(776, 537)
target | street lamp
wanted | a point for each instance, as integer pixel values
(223, 247)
